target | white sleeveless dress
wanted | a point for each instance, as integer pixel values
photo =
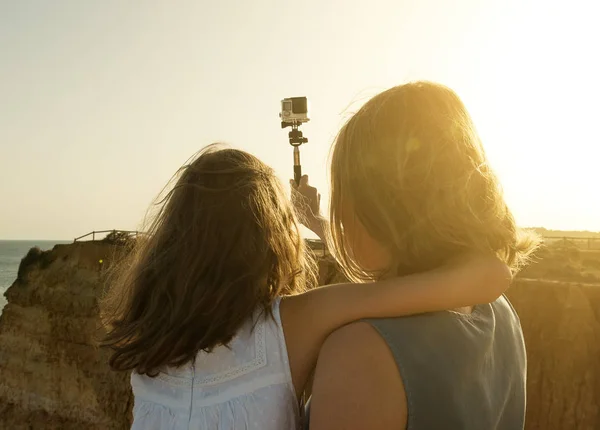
(246, 386)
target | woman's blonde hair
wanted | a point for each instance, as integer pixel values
(225, 242)
(411, 168)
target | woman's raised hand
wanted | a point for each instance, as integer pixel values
(307, 202)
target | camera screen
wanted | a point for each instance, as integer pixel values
(286, 106)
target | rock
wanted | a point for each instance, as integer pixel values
(561, 325)
(52, 376)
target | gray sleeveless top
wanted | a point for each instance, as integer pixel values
(460, 371)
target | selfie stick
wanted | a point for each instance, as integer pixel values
(296, 139)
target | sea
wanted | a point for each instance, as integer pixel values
(11, 253)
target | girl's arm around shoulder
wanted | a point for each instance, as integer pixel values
(310, 317)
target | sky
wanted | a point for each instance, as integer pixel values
(102, 101)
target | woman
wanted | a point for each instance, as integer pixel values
(410, 189)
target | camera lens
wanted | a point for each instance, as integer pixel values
(299, 105)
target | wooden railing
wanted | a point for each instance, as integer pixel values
(316, 244)
(94, 233)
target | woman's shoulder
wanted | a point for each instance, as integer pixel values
(357, 346)
(355, 366)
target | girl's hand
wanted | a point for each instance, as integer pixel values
(307, 202)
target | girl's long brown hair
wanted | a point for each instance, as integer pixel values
(225, 241)
(411, 168)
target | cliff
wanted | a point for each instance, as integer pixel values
(561, 325)
(53, 377)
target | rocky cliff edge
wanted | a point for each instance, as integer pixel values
(52, 376)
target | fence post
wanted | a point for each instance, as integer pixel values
(93, 236)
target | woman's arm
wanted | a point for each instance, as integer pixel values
(308, 318)
(318, 226)
(307, 202)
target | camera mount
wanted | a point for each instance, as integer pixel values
(296, 139)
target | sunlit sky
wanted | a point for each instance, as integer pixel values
(101, 101)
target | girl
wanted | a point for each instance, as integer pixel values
(214, 313)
